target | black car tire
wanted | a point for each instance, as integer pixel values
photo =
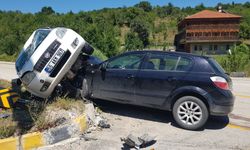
(85, 89)
(190, 112)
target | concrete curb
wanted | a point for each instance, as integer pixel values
(51, 136)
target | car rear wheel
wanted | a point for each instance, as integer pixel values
(190, 112)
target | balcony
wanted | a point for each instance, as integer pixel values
(212, 39)
(214, 27)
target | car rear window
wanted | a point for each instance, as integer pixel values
(215, 65)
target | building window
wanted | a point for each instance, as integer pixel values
(210, 47)
(223, 33)
(195, 48)
(227, 47)
(216, 34)
(215, 47)
(207, 34)
(200, 47)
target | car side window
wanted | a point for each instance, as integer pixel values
(160, 62)
(184, 64)
(131, 61)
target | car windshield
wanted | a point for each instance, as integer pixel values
(25, 54)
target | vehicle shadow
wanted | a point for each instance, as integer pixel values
(213, 123)
(20, 112)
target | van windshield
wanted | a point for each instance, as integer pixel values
(25, 54)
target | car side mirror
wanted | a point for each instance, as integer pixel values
(103, 67)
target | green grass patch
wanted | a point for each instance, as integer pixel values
(10, 58)
(99, 54)
(5, 84)
(7, 125)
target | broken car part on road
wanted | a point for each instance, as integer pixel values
(139, 142)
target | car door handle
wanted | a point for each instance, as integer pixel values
(170, 79)
(130, 76)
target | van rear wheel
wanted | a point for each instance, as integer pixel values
(190, 112)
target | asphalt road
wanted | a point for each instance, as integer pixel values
(220, 133)
(7, 70)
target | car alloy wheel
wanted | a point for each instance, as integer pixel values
(189, 113)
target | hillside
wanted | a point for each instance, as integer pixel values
(111, 31)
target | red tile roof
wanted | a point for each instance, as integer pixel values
(211, 14)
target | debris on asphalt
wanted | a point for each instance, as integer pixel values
(88, 138)
(94, 118)
(101, 122)
(139, 142)
(90, 111)
(5, 115)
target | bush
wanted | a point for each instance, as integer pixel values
(99, 54)
(238, 60)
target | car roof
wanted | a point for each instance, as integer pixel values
(168, 52)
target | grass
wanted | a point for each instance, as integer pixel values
(37, 115)
(5, 84)
(10, 58)
(7, 126)
(65, 106)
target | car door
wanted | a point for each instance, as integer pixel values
(157, 78)
(116, 81)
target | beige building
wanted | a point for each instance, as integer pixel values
(208, 32)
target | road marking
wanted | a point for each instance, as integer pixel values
(4, 90)
(242, 96)
(238, 127)
(5, 101)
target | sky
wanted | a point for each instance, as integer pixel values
(64, 6)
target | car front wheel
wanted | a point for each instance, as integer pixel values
(190, 112)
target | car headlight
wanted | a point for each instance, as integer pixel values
(61, 32)
(28, 77)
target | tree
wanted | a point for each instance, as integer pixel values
(245, 31)
(145, 5)
(103, 37)
(133, 42)
(47, 10)
(200, 7)
(142, 29)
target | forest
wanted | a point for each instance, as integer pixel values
(110, 30)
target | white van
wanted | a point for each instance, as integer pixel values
(47, 56)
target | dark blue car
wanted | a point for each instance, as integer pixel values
(191, 86)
